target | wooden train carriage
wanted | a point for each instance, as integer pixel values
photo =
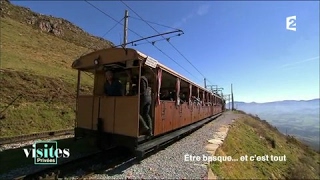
(118, 116)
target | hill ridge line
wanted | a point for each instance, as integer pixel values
(59, 27)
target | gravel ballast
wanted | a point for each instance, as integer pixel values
(166, 164)
(170, 163)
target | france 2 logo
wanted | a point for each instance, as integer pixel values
(291, 23)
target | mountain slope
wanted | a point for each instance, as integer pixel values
(36, 64)
(299, 118)
(251, 137)
(56, 26)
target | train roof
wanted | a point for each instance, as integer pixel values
(87, 62)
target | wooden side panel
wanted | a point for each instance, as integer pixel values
(95, 115)
(176, 116)
(181, 117)
(186, 115)
(207, 111)
(190, 117)
(99, 80)
(190, 120)
(212, 110)
(84, 114)
(107, 110)
(195, 113)
(126, 116)
(201, 112)
(167, 122)
(158, 119)
(168, 117)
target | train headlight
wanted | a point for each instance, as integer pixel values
(96, 61)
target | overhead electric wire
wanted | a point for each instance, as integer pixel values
(140, 36)
(112, 27)
(117, 22)
(154, 23)
(154, 41)
(106, 33)
(163, 37)
(145, 38)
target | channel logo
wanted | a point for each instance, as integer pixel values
(291, 24)
(46, 152)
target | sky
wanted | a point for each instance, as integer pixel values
(230, 42)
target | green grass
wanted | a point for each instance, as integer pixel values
(35, 117)
(251, 136)
(26, 49)
(70, 33)
(37, 65)
(45, 103)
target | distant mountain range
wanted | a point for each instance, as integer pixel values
(295, 117)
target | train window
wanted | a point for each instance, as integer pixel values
(132, 80)
(168, 87)
(184, 92)
(195, 91)
(127, 77)
(201, 95)
(86, 83)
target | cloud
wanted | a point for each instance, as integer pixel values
(200, 11)
(203, 9)
(299, 62)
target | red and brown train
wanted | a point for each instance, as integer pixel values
(114, 120)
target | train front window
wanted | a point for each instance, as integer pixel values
(124, 82)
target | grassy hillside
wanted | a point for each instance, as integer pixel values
(37, 64)
(251, 136)
(57, 26)
(298, 118)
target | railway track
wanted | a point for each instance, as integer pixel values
(97, 162)
(27, 137)
(91, 163)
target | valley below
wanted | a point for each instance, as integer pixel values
(296, 118)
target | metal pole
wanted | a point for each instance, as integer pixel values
(77, 99)
(125, 30)
(205, 83)
(229, 101)
(232, 98)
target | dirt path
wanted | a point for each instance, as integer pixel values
(221, 130)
